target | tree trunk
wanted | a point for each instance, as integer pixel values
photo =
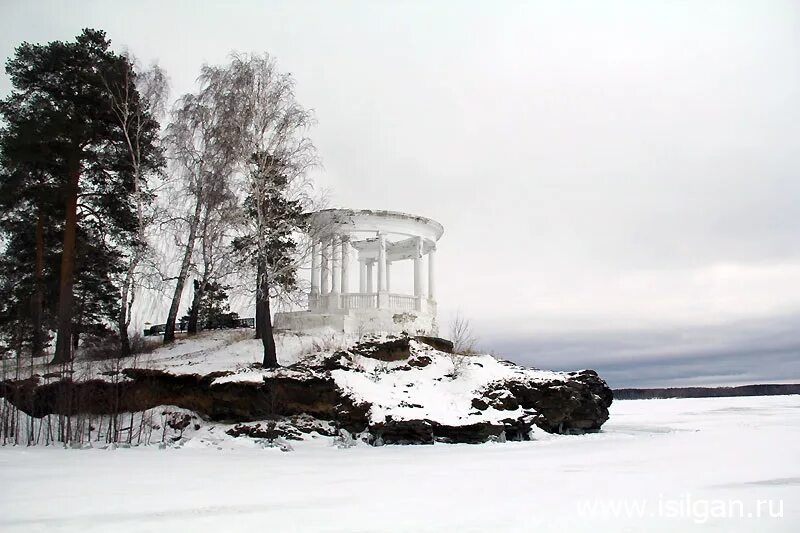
(194, 311)
(123, 319)
(260, 308)
(265, 322)
(63, 352)
(37, 303)
(169, 329)
(124, 340)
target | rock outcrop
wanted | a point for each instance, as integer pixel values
(400, 390)
(575, 404)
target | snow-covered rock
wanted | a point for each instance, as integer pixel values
(389, 390)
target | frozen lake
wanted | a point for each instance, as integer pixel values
(725, 464)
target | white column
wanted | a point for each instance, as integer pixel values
(381, 262)
(362, 276)
(418, 268)
(326, 267)
(370, 285)
(345, 264)
(388, 276)
(383, 296)
(315, 268)
(337, 265)
(431, 267)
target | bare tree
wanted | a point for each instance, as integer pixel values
(203, 145)
(139, 126)
(218, 256)
(275, 153)
(461, 335)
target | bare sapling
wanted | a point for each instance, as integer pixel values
(464, 343)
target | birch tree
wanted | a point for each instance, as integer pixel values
(275, 153)
(203, 147)
(217, 256)
(138, 112)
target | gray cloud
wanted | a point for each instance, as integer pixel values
(754, 351)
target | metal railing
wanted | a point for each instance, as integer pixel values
(181, 325)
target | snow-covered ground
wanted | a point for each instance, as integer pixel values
(436, 391)
(216, 350)
(432, 385)
(658, 465)
(209, 351)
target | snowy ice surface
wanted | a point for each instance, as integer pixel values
(652, 457)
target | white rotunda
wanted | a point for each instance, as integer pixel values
(376, 240)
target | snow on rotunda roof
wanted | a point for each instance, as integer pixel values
(375, 220)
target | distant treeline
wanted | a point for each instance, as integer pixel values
(706, 392)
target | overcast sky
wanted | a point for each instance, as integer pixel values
(619, 182)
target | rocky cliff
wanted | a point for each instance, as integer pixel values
(386, 390)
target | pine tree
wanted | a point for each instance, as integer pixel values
(210, 308)
(27, 282)
(30, 218)
(272, 247)
(66, 173)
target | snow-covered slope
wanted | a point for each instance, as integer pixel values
(392, 389)
(220, 350)
(442, 390)
(207, 352)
